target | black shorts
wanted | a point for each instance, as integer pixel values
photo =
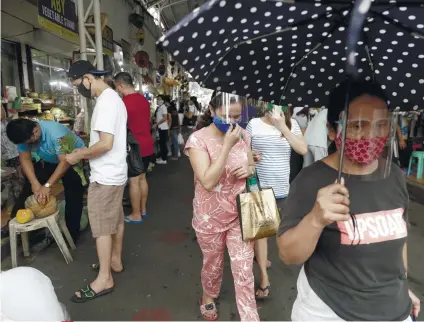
(146, 162)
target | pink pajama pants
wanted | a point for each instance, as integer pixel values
(241, 256)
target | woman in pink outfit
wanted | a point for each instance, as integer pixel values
(222, 160)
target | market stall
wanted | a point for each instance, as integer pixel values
(53, 97)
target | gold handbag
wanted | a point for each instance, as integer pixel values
(258, 213)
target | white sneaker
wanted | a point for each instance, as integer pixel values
(169, 154)
(160, 161)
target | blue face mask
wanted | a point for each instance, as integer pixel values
(222, 125)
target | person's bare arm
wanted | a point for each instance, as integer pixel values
(297, 142)
(43, 194)
(104, 145)
(251, 160)
(405, 258)
(416, 302)
(60, 170)
(3, 113)
(297, 244)
(28, 167)
(208, 174)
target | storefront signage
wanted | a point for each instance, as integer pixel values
(108, 41)
(59, 17)
(126, 50)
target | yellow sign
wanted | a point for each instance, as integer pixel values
(107, 41)
(59, 17)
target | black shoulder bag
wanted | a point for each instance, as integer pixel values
(134, 159)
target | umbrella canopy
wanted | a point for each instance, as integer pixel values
(295, 53)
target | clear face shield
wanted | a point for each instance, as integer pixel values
(228, 110)
(368, 141)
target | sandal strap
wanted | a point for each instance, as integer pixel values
(208, 308)
(266, 288)
(87, 292)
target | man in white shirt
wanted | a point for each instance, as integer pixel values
(163, 128)
(107, 154)
(316, 137)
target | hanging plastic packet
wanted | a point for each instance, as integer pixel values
(276, 108)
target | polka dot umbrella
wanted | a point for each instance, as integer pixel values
(288, 52)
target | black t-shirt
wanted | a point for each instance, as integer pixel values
(175, 121)
(361, 278)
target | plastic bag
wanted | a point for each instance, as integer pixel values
(180, 139)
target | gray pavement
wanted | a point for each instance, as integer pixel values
(162, 264)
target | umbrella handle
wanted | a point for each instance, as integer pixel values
(356, 23)
(344, 127)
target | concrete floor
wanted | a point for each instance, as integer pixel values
(162, 264)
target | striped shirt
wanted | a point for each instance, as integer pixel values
(274, 168)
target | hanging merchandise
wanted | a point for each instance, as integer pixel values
(136, 20)
(140, 36)
(104, 18)
(162, 68)
(142, 59)
(107, 38)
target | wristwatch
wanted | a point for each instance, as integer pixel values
(47, 185)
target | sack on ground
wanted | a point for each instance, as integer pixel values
(41, 211)
(258, 213)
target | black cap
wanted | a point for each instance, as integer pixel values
(82, 67)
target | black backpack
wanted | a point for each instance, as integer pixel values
(134, 158)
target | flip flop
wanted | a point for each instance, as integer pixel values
(130, 221)
(263, 297)
(87, 294)
(96, 268)
(145, 215)
(208, 311)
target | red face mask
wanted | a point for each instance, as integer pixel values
(363, 151)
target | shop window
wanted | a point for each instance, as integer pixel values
(9, 65)
(50, 73)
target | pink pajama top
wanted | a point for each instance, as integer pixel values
(216, 211)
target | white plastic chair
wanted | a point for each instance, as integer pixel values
(53, 223)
